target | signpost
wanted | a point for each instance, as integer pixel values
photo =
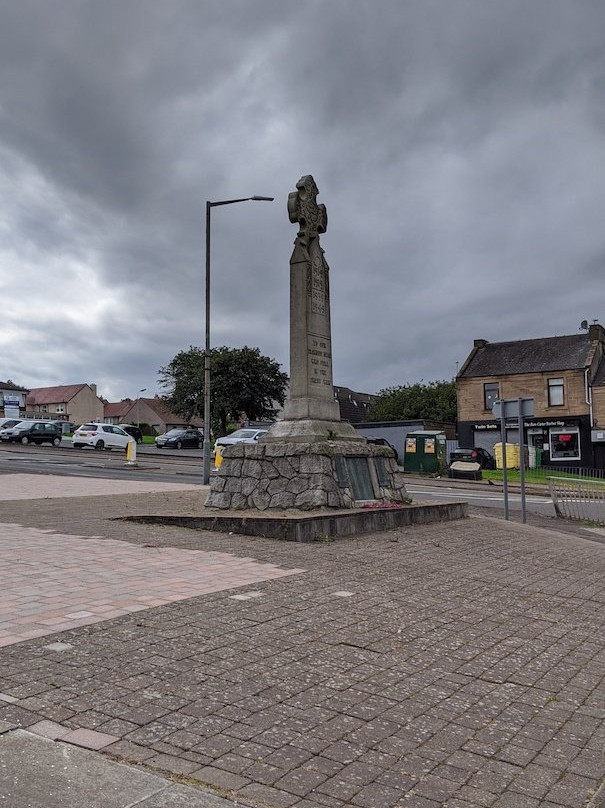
(509, 409)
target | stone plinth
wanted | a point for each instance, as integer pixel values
(306, 476)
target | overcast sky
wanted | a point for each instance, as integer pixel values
(458, 146)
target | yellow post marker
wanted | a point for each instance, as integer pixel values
(131, 453)
(218, 456)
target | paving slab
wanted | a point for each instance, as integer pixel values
(49, 486)
(36, 772)
(52, 581)
(444, 665)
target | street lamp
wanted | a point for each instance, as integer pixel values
(138, 394)
(206, 444)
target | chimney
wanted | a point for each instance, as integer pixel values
(596, 333)
(479, 343)
(93, 387)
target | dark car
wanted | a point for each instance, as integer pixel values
(34, 432)
(185, 438)
(384, 442)
(474, 455)
(133, 431)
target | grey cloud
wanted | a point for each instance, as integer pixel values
(457, 147)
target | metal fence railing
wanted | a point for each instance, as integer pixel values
(582, 499)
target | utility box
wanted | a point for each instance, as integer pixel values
(425, 452)
(461, 470)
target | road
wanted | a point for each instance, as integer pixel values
(186, 466)
(66, 461)
(475, 496)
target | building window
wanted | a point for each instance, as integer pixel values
(60, 408)
(564, 444)
(491, 393)
(556, 397)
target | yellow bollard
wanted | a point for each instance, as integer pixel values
(131, 453)
(218, 456)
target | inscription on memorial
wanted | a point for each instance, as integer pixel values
(317, 286)
(319, 353)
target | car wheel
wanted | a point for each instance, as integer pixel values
(56, 441)
(25, 440)
(179, 444)
(100, 445)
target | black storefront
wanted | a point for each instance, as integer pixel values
(558, 442)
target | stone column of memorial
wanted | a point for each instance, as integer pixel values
(311, 411)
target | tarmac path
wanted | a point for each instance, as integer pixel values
(452, 665)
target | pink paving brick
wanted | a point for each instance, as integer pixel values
(52, 582)
(49, 729)
(89, 739)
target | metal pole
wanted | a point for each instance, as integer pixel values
(522, 463)
(504, 467)
(206, 444)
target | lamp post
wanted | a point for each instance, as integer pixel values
(138, 395)
(206, 444)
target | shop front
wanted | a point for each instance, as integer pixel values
(564, 442)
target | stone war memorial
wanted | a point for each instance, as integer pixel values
(311, 462)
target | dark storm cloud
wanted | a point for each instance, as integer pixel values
(456, 144)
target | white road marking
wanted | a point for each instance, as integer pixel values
(450, 493)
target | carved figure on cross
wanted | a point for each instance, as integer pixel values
(303, 208)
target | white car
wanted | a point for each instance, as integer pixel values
(101, 436)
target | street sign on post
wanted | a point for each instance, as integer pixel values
(513, 408)
(506, 410)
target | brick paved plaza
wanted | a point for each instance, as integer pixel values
(455, 665)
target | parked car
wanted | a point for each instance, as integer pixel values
(474, 455)
(181, 438)
(33, 432)
(384, 442)
(133, 431)
(8, 423)
(247, 435)
(101, 436)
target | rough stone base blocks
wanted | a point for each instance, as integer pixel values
(306, 476)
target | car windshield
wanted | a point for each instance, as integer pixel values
(243, 433)
(174, 433)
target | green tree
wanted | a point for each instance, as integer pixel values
(435, 401)
(242, 380)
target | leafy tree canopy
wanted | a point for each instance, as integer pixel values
(241, 381)
(435, 401)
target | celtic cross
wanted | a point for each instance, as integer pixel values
(303, 208)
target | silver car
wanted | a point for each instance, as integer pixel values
(246, 435)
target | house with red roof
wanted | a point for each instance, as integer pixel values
(77, 403)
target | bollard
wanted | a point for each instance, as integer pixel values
(131, 453)
(218, 456)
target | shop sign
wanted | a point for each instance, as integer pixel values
(484, 427)
(548, 422)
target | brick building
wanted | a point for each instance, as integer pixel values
(566, 378)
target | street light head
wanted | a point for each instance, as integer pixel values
(262, 198)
